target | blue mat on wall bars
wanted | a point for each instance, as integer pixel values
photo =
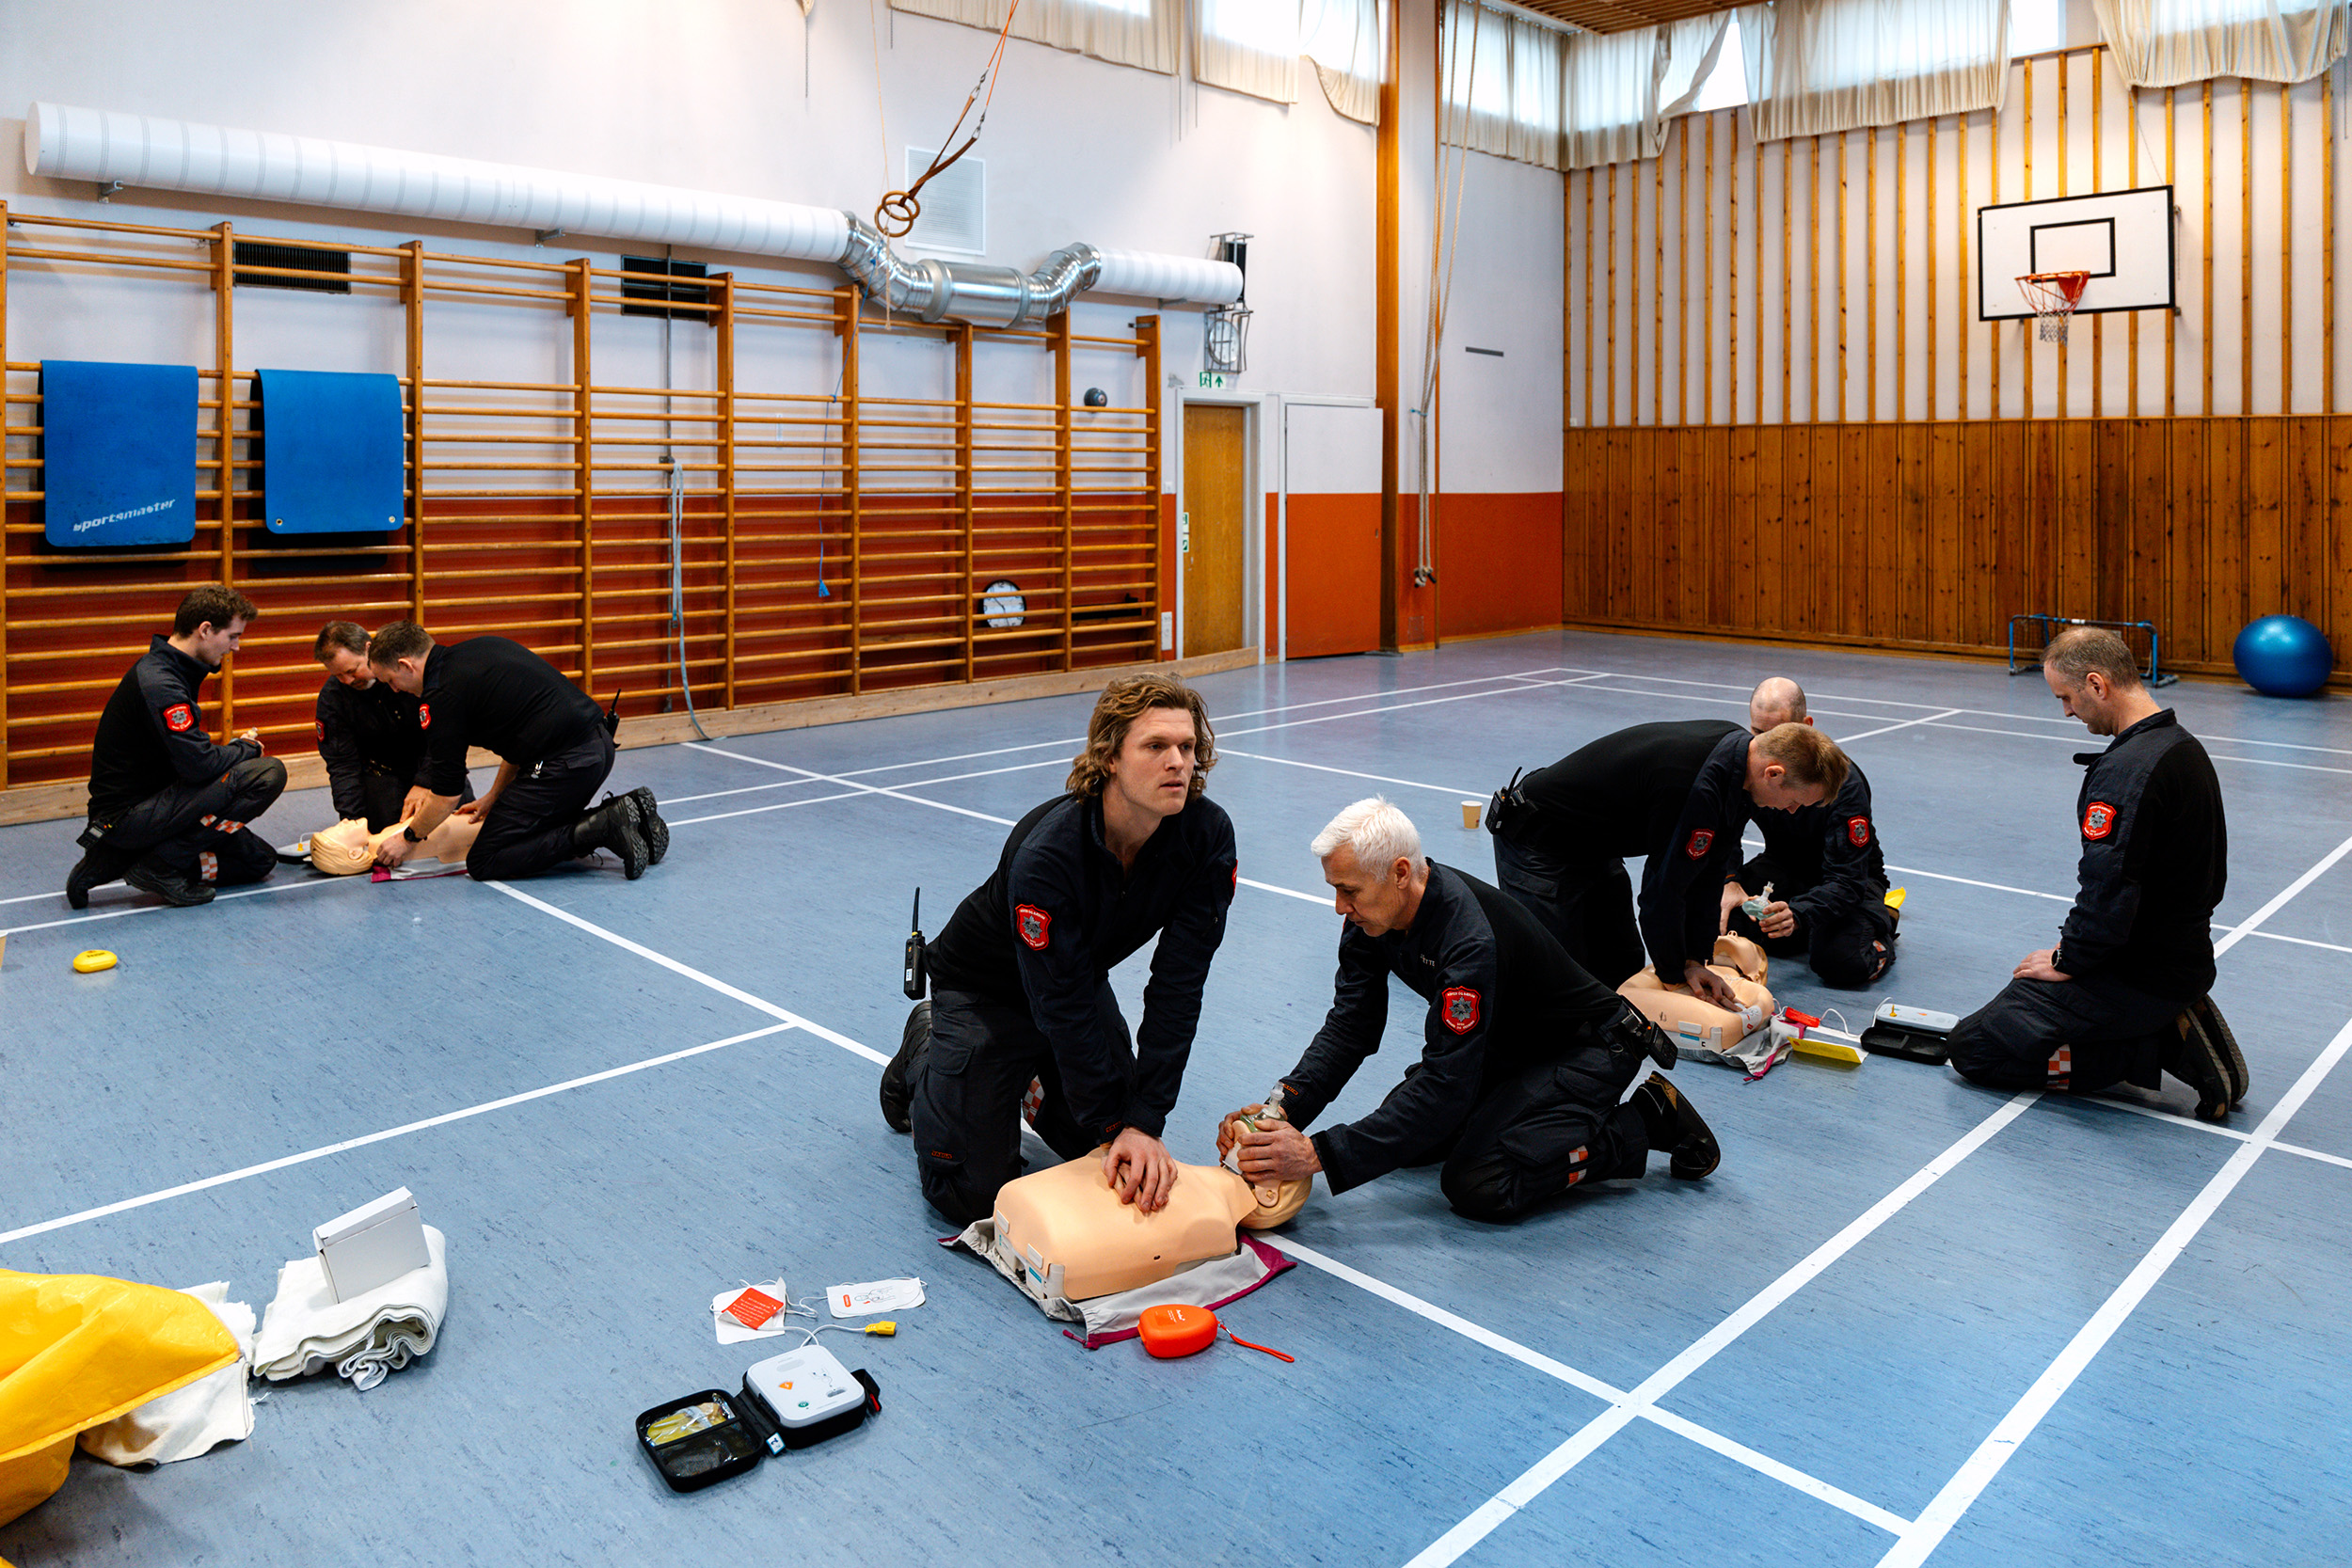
(334, 451)
(117, 451)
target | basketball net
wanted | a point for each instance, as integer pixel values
(2053, 297)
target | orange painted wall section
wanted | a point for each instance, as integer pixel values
(1334, 575)
(1499, 561)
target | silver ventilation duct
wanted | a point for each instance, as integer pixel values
(63, 142)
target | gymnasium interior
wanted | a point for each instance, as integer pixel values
(843, 393)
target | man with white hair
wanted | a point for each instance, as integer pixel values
(1824, 864)
(1525, 1056)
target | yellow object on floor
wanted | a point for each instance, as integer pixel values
(1829, 1050)
(78, 1349)
(1895, 897)
(91, 959)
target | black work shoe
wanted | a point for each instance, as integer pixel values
(1631, 1030)
(614, 826)
(151, 876)
(96, 868)
(2208, 1020)
(650, 826)
(898, 1091)
(2192, 1056)
(1673, 1124)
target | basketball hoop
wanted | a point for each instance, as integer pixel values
(2053, 297)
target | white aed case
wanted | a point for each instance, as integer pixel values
(374, 1244)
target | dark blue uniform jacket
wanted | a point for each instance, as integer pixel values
(1827, 856)
(151, 735)
(2154, 860)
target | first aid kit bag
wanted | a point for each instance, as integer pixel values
(700, 1439)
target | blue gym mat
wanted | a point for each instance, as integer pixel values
(333, 452)
(119, 453)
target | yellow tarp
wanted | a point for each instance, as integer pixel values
(76, 1350)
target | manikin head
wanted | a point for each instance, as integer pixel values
(1792, 765)
(2091, 673)
(1776, 700)
(1149, 743)
(396, 656)
(1372, 858)
(210, 623)
(342, 648)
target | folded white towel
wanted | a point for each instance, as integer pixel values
(192, 1421)
(307, 1330)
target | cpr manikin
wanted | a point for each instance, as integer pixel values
(1688, 1021)
(1074, 1239)
(348, 849)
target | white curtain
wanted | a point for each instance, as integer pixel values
(1611, 95)
(1139, 33)
(1248, 46)
(1347, 42)
(2164, 43)
(1820, 67)
(1505, 84)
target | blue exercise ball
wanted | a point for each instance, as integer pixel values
(2283, 655)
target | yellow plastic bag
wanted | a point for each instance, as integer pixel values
(78, 1349)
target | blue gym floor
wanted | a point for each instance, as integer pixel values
(1907, 1317)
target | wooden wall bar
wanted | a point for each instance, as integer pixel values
(1930, 535)
(833, 542)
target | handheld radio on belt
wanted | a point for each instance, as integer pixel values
(918, 977)
(1507, 805)
(613, 715)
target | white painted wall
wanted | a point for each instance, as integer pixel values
(744, 95)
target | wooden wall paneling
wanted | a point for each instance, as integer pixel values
(1945, 566)
(1813, 288)
(1992, 329)
(1587, 341)
(2335, 568)
(2225, 537)
(2172, 317)
(1870, 282)
(2327, 244)
(1658, 291)
(1740, 524)
(1966, 319)
(2204, 237)
(1911, 529)
(2188, 451)
(414, 391)
(1787, 280)
(2245, 245)
(2286, 251)
(2304, 529)
(1870, 532)
(1633, 293)
(1755, 161)
(1609, 310)
(1902, 264)
(1928, 315)
(2010, 441)
(1977, 555)
(2265, 482)
(1706, 274)
(1731, 284)
(2131, 350)
(1682, 273)
(1642, 488)
(2109, 519)
(1845, 139)
(1666, 598)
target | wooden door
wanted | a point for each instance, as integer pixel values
(1216, 495)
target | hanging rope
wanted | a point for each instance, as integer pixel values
(896, 214)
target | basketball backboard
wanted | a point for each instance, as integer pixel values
(2123, 239)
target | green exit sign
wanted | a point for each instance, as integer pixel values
(1212, 380)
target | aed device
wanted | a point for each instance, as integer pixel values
(918, 973)
(787, 1402)
(1915, 1034)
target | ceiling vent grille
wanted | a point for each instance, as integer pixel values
(954, 204)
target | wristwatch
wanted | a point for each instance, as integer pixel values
(410, 834)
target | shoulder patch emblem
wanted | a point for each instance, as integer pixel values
(2098, 819)
(1702, 840)
(179, 717)
(1460, 1008)
(320, 725)
(424, 716)
(1033, 924)
(1858, 830)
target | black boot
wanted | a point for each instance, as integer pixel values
(614, 826)
(2208, 1020)
(1673, 1124)
(650, 826)
(2190, 1056)
(100, 865)
(898, 1088)
(153, 876)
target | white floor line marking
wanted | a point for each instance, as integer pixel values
(1531, 1484)
(1886, 729)
(1478, 1334)
(850, 793)
(1351, 773)
(151, 909)
(900, 794)
(691, 973)
(1396, 707)
(2159, 1114)
(1287, 893)
(1959, 1494)
(400, 1132)
(669, 801)
(1971, 881)
(2276, 762)
(2239, 933)
(1869, 1512)
(2321, 1155)
(2299, 942)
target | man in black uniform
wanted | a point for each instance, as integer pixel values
(553, 746)
(368, 735)
(1825, 865)
(1679, 792)
(169, 809)
(1021, 974)
(2122, 996)
(1525, 1055)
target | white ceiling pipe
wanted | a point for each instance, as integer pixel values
(64, 142)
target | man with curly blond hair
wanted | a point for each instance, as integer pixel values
(1021, 988)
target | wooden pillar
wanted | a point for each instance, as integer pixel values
(584, 483)
(1148, 350)
(1058, 341)
(224, 456)
(412, 304)
(846, 303)
(4, 484)
(725, 320)
(960, 338)
(1386, 280)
